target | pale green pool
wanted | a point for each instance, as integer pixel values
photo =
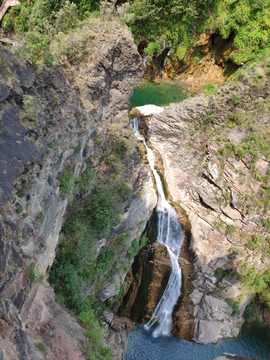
(162, 94)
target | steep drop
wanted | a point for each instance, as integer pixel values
(171, 235)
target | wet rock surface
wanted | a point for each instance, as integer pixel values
(146, 282)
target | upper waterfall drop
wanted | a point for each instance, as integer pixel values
(170, 234)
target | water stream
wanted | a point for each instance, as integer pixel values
(171, 235)
(146, 341)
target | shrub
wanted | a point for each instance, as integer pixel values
(41, 347)
(254, 242)
(210, 89)
(181, 51)
(51, 145)
(104, 258)
(252, 312)
(66, 181)
(40, 217)
(152, 48)
(36, 50)
(95, 333)
(210, 118)
(198, 56)
(230, 230)
(66, 18)
(73, 46)
(19, 209)
(3, 130)
(266, 223)
(234, 304)
(32, 108)
(68, 283)
(30, 271)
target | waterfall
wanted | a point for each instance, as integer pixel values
(171, 235)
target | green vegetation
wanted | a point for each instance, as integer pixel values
(19, 209)
(210, 89)
(3, 130)
(30, 271)
(51, 145)
(230, 229)
(32, 108)
(252, 312)
(40, 217)
(41, 347)
(68, 284)
(66, 181)
(228, 274)
(256, 283)
(197, 58)
(94, 332)
(100, 200)
(234, 304)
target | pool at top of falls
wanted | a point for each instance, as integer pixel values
(161, 94)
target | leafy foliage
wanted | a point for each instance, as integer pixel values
(3, 130)
(66, 181)
(252, 312)
(32, 108)
(95, 334)
(40, 346)
(68, 283)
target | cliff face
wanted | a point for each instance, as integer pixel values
(50, 123)
(219, 176)
(206, 61)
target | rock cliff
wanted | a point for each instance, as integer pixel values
(206, 61)
(53, 127)
(215, 155)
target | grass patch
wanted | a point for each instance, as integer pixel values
(41, 347)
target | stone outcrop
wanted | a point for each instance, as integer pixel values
(53, 132)
(7, 4)
(204, 62)
(213, 186)
(227, 356)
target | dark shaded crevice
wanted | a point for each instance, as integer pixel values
(204, 204)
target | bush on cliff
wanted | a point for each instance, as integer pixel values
(95, 333)
(252, 312)
(68, 284)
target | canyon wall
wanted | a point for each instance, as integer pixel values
(219, 179)
(52, 123)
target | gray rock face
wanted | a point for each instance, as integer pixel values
(56, 134)
(212, 189)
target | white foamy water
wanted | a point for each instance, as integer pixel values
(171, 235)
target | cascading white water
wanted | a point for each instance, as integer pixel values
(171, 235)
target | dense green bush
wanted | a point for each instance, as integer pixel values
(66, 181)
(3, 130)
(252, 312)
(230, 230)
(95, 333)
(66, 281)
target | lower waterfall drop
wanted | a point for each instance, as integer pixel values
(170, 234)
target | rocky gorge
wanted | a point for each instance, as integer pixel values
(54, 125)
(57, 126)
(218, 178)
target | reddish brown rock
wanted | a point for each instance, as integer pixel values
(146, 282)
